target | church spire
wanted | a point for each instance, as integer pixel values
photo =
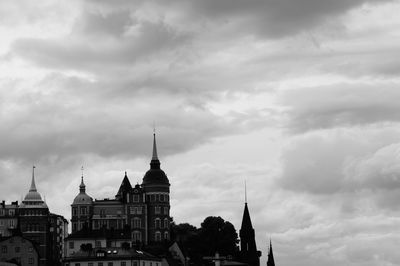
(33, 185)
(248, 249)
(155, 163)
(270, 261)
(155, 156)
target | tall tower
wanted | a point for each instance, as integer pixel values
(248, 248)
(81, 209)
(156, 189)
(34, 222)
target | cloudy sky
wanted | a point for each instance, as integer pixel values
(300, 98)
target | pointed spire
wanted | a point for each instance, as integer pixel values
(155, 156)
(82, 186)
(270, 261)
(155, 163)
(33, 185)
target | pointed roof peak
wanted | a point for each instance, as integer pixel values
(246, 220)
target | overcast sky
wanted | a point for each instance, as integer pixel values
(300, 98)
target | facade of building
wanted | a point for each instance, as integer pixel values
(112, 257)
(19, 251)
(33, 221)
(248, 248)
(8, 218)
(142, 211)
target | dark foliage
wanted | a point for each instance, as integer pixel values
(214, 235)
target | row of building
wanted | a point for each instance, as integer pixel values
(107, 232)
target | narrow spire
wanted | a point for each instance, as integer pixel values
(155, 156)
(126, 174)
(82, 186)
(270, 261)
(33, 185)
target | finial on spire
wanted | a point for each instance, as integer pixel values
(245, 192)
(82, 171)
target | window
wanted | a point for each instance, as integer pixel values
(1, 212)
(30, 260)
(136, 223)
(157, 223)
(74, 227)
(123, 263)
(74, 211)
(97, 244)
(83, 210)
(17, 249)
(11, 212)
(157, 236)
(152, 198)
(135, 198)
(166, 210)
(161, 197)
(166, 236)
(90, 264)
(102, 213)
(77, 264)
(137, 236)
(135, 263)
(71, 244)
(100, 264)
(136, 210)
(157, 210)
(166, 223)
(3, 249)
(110, 264)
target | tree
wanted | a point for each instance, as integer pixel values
(217, 235)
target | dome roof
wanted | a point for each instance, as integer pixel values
(82, 198)
(33, 195)
(155, 176)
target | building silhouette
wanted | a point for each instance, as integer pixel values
(138, 215)
(33, 220)
(248, 249)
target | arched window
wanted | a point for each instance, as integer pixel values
(166, 236)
